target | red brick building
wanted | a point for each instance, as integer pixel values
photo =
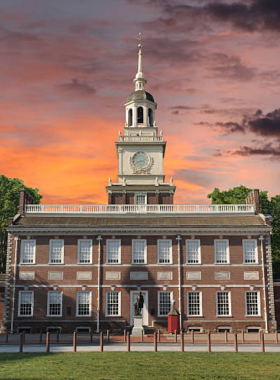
(82, 267)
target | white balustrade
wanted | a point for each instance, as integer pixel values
(140, 138)
(139, 209)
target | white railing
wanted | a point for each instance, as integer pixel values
(138, 209)
(140, 138)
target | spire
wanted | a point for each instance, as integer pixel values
(139, 79)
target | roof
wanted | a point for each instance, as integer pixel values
(139, 221)
(139, 95)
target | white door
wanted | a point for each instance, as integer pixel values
(133, 297)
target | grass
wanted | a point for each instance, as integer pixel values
(139, 366)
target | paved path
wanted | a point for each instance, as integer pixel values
(139, 347)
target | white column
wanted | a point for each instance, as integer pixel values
(145, 116)
(134, 116)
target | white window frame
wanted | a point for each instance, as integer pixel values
(119, 303)
(171, 302)
(200, 303)
(19, 303)
(187, 251)
(134, 241)
(23, 242)
(170, 252)
(80, 241)
(227, 251)
(61, 304)
(77, 303)
(229, 303)
(259, 303)
(244, 252)
(107, 251)
(141, 195)
(51, 242)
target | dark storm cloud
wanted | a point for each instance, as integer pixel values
(266, 150)
(231, 127)
(76, 86)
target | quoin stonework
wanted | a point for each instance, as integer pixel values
(81, 267)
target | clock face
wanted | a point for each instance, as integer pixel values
(140, 160)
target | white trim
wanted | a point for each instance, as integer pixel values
(119, 251)
(79, 251)
(48, 303)
(77, 303)
(200, 303)
(227, 251)
(119, 303)
(145, 251)
(229, 303)
(258, 300)
(19, 303)
(170, 251)
(158, 303)
(199, 251)
(23, 241)
(256, 251)
(51, 242)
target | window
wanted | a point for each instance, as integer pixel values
(140, 199)
(55, 303)
(140, 115)
(84, 251)
(194, 303)
(25, 307)
(83, 304)
(250, 251)
(223, 303)
(130, 117)
(221, 252)
(28, 251)
(193, 251)
(56, 251)
(164, 303)
(113, 303)
(139, 251)
(252, 303)
(113, 251)
(165, 251)
(151, 117)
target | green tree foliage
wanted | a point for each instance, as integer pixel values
(9, 203)
(238, 195)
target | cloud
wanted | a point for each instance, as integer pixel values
(80, 87)
(265, 150)
(231, 127)
(201, 178)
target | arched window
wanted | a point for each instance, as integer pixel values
(140, 115)
(130, 117)
(151, 117)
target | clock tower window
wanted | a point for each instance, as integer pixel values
(151, 117)
(140, 115)
(130, 117)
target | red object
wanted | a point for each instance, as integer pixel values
(173, 321)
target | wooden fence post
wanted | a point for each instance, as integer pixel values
(262, 343)
(192, 332)
(48, 342)
(21, 337)
(209, 342)
(101, 341)
(235, 343)
(155, 342)
(142, 335)
(260, 336)
(74, 341)
(108, 336)
(226, 336)
(182, 341)
(128, 341)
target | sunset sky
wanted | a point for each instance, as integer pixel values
(67, 66)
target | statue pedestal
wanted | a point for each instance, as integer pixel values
(138, 325)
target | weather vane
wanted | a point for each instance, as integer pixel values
(139, 38)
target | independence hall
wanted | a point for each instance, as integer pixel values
(81, 268)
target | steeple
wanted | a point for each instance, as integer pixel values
(139, 79)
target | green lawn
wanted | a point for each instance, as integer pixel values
(135, 365)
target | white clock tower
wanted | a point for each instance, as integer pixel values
(140, 152)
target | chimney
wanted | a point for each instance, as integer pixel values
(24, 199)
(254, 198)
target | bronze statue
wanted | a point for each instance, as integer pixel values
(138, 306)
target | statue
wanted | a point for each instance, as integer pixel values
(138, 306)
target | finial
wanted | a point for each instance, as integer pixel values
(140, 77)
(171, 181)
(110, 181)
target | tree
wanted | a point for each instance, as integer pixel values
(238, 195)
(9, 203)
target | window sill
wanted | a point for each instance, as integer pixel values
(54, 316)
(81, 316)
(56, 264)
(224, 316)
(250, 316)
(195, 316)
(25, 316)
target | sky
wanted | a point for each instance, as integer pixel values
(67, 66)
